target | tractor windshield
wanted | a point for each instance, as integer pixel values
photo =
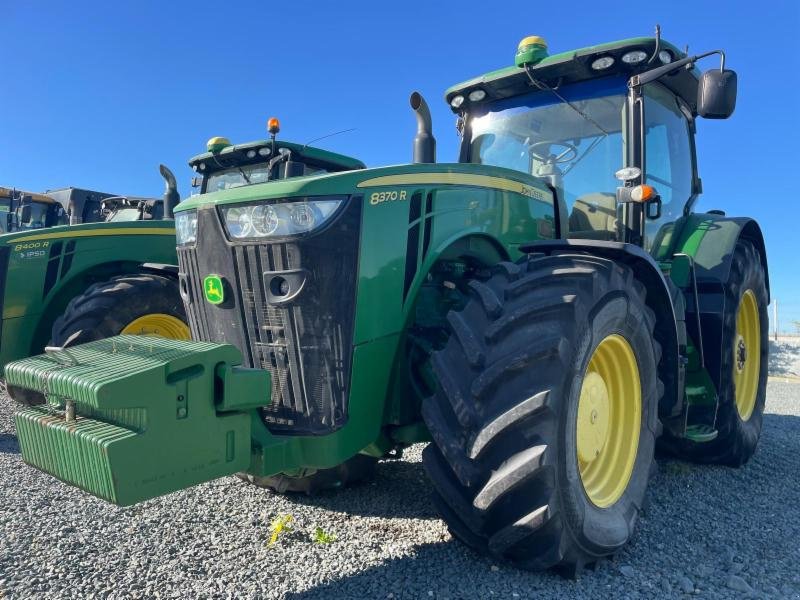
(124, 214)
(576, 145)
(246, 175)
(32, 215)
(237, 177)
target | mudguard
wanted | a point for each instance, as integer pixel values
(710, 239)
(671, 369)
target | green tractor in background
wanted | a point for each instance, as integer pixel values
(79, 265)
(67, 206)
(541, 311)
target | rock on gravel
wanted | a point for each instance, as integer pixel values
(707, 531)
(685, 584)
(740, 585)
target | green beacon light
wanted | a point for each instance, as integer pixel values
(531, 50)
(216, 144)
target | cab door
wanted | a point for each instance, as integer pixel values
(669, 161)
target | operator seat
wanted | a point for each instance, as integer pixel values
(594, 217)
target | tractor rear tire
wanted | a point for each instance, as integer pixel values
(516, 445)
(120, 305)
(358, 469)
(740, 412)
(111, 307)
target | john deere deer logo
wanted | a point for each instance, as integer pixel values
(214, 291)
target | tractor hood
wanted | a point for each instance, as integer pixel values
(370, 180)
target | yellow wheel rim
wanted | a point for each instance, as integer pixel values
(608, 421)
(159, 325)
(747, 355)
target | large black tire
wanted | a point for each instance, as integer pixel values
(503, 420)
(737, 438)
(105, 309)
(357, 469)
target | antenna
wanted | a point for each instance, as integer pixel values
(327, 136)
(658, 44)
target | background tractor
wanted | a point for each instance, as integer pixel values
(75, 268)
(42, 210)
(29, 210)
(541, 312)
(65, 206)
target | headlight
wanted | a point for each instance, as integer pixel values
(457, 101)
(278, 219)
(186, 227)
(634, 57)
(602, 63)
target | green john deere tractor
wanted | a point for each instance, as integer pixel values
(79, 265)
(541, 312)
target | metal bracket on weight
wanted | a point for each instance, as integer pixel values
(61, 355)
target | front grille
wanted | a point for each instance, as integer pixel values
(303, 339)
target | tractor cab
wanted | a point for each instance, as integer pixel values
(80, 205)
(118, 209)
(581, 120)
(225, 166)
(27, 210)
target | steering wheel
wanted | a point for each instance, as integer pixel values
(570, 152)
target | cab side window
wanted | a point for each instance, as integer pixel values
(668, 157)
(92, 211)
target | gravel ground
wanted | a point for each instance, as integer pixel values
(784, 357)
(713, 532)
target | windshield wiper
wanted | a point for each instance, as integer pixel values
(543, 86)
(246, 178)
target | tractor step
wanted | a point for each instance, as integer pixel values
(130, 418)
(700, 433)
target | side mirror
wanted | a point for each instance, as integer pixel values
(716, 94)
(196, 181)
(25, 213)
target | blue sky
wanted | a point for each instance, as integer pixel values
(96, 94)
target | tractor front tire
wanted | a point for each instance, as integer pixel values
(139, 304)
(743, 367)
(358, 469)
(545, 414)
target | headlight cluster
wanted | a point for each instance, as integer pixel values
(278, 219)
(186, 227)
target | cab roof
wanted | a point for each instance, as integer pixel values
(236, 154)
(574, 66)
(11, 192)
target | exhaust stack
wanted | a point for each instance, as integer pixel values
(424, 142)
(171, 194)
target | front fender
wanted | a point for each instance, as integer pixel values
(658, 299)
